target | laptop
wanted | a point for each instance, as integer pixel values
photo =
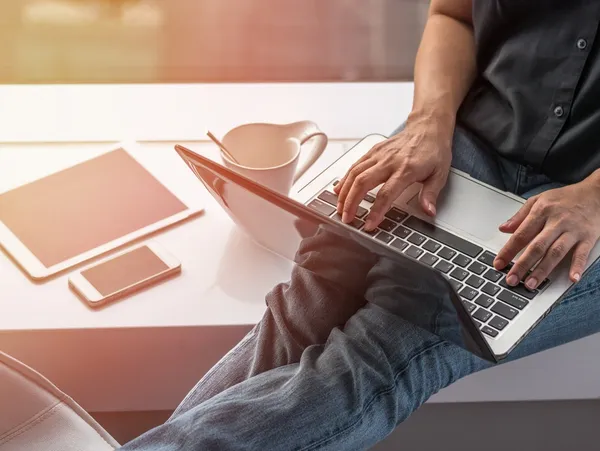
(435, 273)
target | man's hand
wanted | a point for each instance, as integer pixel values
(420, 153)
(550, 225)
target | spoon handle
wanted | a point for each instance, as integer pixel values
(222, 147)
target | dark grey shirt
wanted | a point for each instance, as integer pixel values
(537, 97)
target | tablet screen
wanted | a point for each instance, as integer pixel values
(86, 206)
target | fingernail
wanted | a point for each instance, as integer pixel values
(345, 217)
(531, 283)
(499, 263)
(507, 223)
(431, 208)
(512, 280)
(369, 225)
(576, 276)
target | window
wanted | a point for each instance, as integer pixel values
(146, 41)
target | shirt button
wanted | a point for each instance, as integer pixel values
(581, 44)
(559, 111)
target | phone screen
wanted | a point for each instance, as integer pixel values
(124, 271)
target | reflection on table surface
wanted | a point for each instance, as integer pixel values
(120, 41)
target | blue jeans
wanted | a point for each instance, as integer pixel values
(328, 370)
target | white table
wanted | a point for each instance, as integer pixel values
(145, 353)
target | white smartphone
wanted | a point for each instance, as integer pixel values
(123, 274)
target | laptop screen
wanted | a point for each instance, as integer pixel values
(341, 277)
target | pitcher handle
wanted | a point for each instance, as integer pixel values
(310, 130)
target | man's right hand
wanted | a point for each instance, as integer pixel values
(419, 153)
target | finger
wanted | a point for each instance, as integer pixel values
(580, 258)
(337, 188)
(556, 252)
(535, 251)
(430, 192)
(386, 196)
(350, 177)
(517, 219)
(369, 179)
(529, 228)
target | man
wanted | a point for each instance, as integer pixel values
(506, 91)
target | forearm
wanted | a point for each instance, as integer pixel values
(593, 180)
(445, 66)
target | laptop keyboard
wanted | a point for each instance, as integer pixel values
(483, 290)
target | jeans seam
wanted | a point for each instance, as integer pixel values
(587, 291)
(250, 336)
(371, 403)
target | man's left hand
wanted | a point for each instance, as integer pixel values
(548, 226)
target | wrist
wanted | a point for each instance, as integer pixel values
(593, 180)
(433, 122)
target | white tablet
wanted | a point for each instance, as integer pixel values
(86, 210)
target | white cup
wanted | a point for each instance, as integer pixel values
(269, 154)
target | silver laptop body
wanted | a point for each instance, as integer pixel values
(438, 272)
(472, 211)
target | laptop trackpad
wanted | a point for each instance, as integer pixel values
(473, 208)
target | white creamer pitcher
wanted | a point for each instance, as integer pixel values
(270, 153)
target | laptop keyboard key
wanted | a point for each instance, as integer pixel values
(414, 252)
(519, 289)
(484, 301)
(477, 324)
(487, 258)
(385, 237)
(456, 284)
(498, 323)
(504, 310)
(361, 212)
(429, 259)
(461, 260)
(356, 223)
(470, 307)
(468, 293)
(459, 274)
(482, 315)
(438, 234)
(373, 232)
(369, 198)
(387, 225)
(447, 253)
(491, 289)
(489, 331)
(513, 299)
(493, 275)
(416, 239)
(329, 197)
(543, 285)
(444, 266)
(396, 215)
(321, 207)
(402, 232)
(477, 268)
(475, 281)
(432, 246)
(399, 244)
(507, 268)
